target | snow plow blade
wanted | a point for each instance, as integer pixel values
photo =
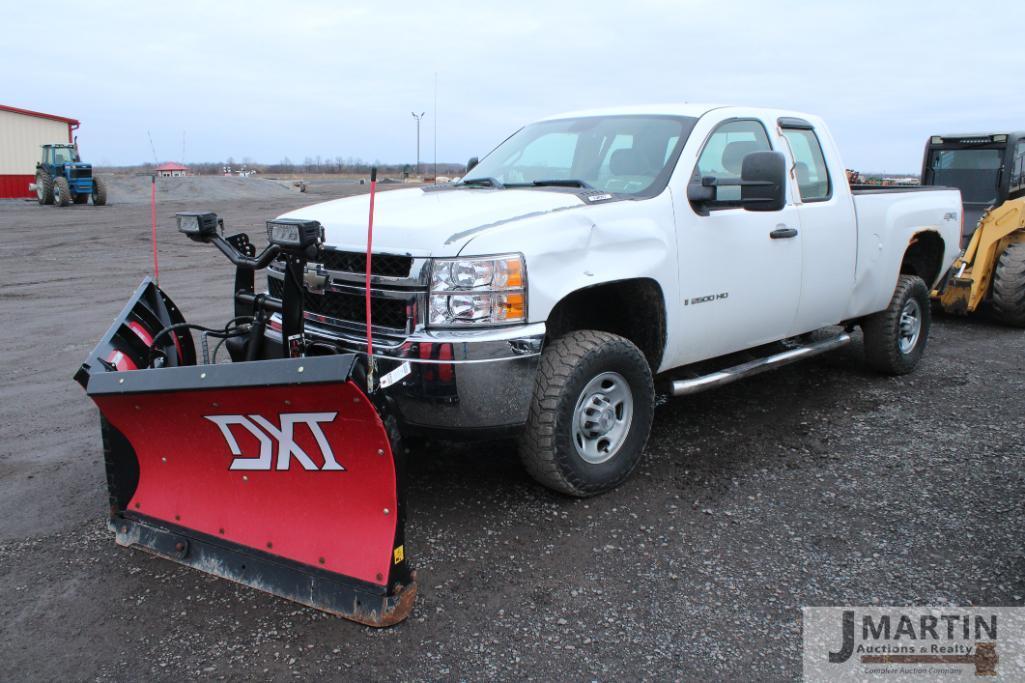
(277, 474)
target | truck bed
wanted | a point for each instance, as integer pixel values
(890, 189)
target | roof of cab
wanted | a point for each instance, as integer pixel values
(696, 110)
(678, 109)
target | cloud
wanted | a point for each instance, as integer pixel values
(267, 79)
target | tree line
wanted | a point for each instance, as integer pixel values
(309, 165)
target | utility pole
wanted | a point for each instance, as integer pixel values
(435, 127)
(417, 117)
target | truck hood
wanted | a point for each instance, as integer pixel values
(432, 223)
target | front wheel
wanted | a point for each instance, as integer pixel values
(99, 192)
(1009, 286)
(895, 338)
(61, 192)
(590, 414)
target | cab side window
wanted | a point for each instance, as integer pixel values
(725, 150)
(809, 164)
(1018, 167)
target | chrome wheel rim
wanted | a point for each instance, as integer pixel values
(601, 420)
(910, 326)
(56, 193)
(39, 188)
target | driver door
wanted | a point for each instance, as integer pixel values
(740, 271)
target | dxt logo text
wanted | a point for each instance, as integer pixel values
(267, 435)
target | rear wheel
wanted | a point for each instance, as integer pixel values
(895, 338)
(99, 192)
(1009, 286)
(590, 414)
(61, 192)
(44, 187)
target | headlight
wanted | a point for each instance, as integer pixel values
(478, 291)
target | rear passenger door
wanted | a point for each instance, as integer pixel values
(739, 285)
(829, 231)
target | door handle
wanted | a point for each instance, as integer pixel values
(783, 233)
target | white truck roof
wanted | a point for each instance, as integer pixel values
(696, 109)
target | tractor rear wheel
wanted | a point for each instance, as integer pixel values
(99, 192)
(1009, 286)
(44, 187)
(61, 192)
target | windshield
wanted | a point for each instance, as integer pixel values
(631, 155)
(973, 171)
(63, 155)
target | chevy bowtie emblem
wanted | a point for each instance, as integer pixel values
(267, 434)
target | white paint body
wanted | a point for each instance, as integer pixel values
(843, 264)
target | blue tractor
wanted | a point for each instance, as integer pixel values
(62, 178)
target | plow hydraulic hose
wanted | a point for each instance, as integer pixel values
(370, 243)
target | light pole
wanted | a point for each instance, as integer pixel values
(417, 117)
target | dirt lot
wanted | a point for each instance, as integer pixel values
(820, 484)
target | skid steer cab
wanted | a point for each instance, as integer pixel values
(280, 469)
(989, 170)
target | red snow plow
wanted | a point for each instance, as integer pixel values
(279, 470)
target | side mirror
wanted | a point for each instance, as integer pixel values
(471, 163)
(763, 185)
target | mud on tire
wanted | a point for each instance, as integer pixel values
(895, 338)
(588, 381)
(1009, 286)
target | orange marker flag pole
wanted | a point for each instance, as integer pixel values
(370, 242)
(153, 222)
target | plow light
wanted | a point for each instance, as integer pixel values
(294, 234)
(198, 226)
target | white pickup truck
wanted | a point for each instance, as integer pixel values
(593, 257)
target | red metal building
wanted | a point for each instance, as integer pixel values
(22, 133)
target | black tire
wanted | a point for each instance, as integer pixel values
(548, 446)
(44, 187)
(889, 347)
(61, 191)
(99, 192)
(1009, 286)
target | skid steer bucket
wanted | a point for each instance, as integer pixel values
(278, 474)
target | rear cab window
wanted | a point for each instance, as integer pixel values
(810, 170)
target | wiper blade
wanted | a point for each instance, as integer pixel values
(563, 182)
(482, 182)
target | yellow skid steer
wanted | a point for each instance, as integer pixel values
(990, 172)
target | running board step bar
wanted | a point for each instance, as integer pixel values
(683, 387)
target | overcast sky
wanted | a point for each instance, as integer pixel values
(266, 80)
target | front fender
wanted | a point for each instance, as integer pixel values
(566, 251)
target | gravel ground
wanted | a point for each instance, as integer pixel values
(819, 484)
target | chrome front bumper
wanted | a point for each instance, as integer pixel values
(457, 380)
